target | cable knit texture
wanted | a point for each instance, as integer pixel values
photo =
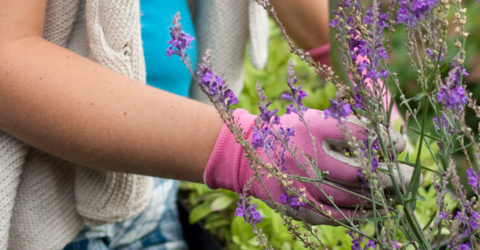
(223, 27)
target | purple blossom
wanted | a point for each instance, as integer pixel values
(179, 41)
(257, 139)
(214, 85)
(443, 124)
(474, 220)
(256, 217)
(464, 246)
(239, 211)
(297, 94)
(292, 200)
(440, 145)
(365, 152)
(338, 110)
(358, 99)
(374, 164)
(294, 203)
(356, 241)
(454, 99)
(454, 75)
(370, 244)
(284, 198)
(248, 211)
(472, 177)
(266, 114)
(442, 216)
(411, 12)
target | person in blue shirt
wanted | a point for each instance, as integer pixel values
(158, 227)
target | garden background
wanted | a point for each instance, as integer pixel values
(216, 208)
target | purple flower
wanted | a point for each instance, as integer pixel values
(374, 164)
(257, 139)
(239, 211)
(284, 198)
(474, 219)
(297, 94)
(358, 99)
(442, 216)
(370, 244)
(472, 177)
(356, 241)
(214, 85)
(294, 203)
(248, 211)
(256, 217)
(179, 41)
(454, 99)
(440, 145)
(443, 124)
(411, 12)
(464, 246)
(338, 110)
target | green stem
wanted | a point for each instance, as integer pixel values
(415, 182)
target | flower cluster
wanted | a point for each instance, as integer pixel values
(411, 12)
(297, 94)
(179, 41)
(292, 200)
(248, 211)
(338, 110)
(452, 98)
(443, 124)
(214, 85)
(472, 177)
(357, 241)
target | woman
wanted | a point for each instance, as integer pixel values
(81, 133)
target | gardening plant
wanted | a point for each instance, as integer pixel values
(364, 97)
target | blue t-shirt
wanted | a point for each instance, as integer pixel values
(164, 72)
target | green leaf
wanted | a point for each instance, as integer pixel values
(199, 212)
(217, 224)
(221, 203)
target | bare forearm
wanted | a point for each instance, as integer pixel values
(71, 107)
(306, 21)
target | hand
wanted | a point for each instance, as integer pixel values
(228, 168)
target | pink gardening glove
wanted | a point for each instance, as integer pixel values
(229, 169)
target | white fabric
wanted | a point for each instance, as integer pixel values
(223, 27)
(44, 200)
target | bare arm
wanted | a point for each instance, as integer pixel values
(71, 107)
(306, 21)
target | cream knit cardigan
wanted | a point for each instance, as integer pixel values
(44, 200)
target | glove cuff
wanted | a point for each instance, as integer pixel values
(227, 158)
